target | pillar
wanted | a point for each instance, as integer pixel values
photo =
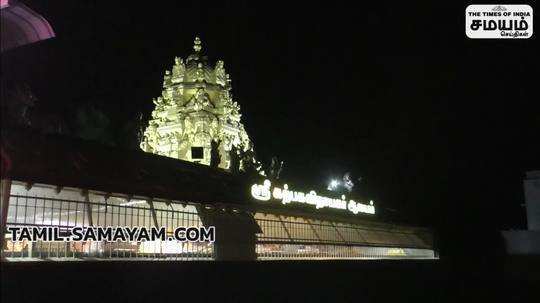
(5, 191)
(235, 234)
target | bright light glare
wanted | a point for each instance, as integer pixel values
(333, 185)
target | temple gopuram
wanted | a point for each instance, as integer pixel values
(196, 114)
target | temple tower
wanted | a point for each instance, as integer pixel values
(195, 112)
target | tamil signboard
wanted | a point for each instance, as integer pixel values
(285, 195)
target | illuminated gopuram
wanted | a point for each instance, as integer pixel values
(196, 113)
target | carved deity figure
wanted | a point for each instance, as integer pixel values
(274, 170)
(347, 182)
(201, 99)
(199, 73)
(219, 71)
(167, 78)
(234, 159)
(178, 70)
(215, 157)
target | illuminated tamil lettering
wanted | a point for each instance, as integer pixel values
(265, 192)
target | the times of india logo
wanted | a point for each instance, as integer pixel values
(499, 21)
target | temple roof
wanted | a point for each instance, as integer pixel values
(70, 162)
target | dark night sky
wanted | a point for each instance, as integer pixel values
(442, 128)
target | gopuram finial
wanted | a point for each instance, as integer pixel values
(197, 44)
